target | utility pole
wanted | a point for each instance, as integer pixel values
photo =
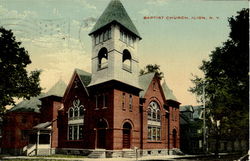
(204, 119)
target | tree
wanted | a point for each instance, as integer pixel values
(15, 81)
(151, 68)
(226, 81)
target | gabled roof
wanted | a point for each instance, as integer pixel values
(115, 12)
(84, 76)
(169, 95)
(34, 103)
(144, 82)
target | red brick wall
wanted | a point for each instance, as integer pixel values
(54, 136)
(174, 118)
(93, 116)
(46, 110)
(73, 93)
(123, 115)
(154, 93)
(14, 124)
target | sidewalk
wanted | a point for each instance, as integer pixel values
(145, 158)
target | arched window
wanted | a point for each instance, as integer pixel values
(149, 114)
(81, 110)
(154, 121)
(103, 58)
(158, 115)
(154, 115)
(126, 60)
(76, 114)
(75, 128)
(71, 112)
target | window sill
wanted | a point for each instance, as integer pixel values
(127, 70)
(74, 140)
(102, 68)
(154, 141)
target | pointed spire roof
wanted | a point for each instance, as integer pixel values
(58, 89)
(115, 12)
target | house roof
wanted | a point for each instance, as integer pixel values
(44, 125)
(144, 82)
(34, 103)
(169, 95)
(115, 12)
(187, 108)
(84, 76)
(31, 105)
(198, 111)
(183, 119)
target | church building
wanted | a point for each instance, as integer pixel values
(111, 112)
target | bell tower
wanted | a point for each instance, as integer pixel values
(114, 47)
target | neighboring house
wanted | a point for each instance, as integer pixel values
(19, 121)
(191, 129)
(107, 113)
(191, 134)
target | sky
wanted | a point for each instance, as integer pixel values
(55, 33)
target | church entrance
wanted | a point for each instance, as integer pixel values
(101, 134)
(126, 135)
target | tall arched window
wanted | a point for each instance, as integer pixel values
(126, 60)
(71, 113)
(103, 58)
(154, 121)
(75, 121)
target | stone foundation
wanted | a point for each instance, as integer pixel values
(125, 153)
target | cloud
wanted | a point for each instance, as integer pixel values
(144, 12)
(60, 65)
(88, 23)
(14, 14)
(87, 5)
(156, 2)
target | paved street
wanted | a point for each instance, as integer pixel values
(146, 158)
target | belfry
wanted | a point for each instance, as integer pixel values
(106, 113)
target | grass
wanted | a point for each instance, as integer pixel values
(30, 160)
(60, 156)
(44, 158)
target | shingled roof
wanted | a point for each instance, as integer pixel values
(144, 82)
(169, 95)
(31, 105)
(57, 90)
(34, 103)
(84, 76)
(115, 12)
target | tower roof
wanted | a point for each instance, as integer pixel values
(115, 12)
